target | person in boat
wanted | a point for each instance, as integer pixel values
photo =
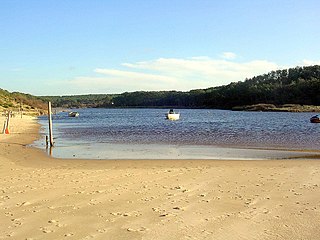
(171, 111)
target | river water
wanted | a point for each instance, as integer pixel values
(199, 133)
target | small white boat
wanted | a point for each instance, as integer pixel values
(73, 114)
(172, 115)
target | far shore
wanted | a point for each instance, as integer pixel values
(48, 198)
(277, 108)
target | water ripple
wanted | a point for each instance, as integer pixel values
(196, 127)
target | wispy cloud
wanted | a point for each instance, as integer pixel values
(136, 76)
(174, 74)
(307, 62)
(228, 55)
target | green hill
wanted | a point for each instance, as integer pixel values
(80, 101)
(16, 101)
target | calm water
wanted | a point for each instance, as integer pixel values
(195, 127)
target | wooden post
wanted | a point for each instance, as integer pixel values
(47, 141)
(21, 109)
(6, 130)
(4, 127)
(50, 124)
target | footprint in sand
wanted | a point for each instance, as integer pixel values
(140, 229)
(45, 230)
(56, 223)
(68, 234)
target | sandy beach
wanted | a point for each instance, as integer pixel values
(48, 198)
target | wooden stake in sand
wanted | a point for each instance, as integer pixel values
(4, 127)
(6, 124)
(21, 112)
(50, 125)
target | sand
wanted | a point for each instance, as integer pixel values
(47, 198)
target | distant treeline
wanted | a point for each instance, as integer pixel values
(300, 85)
(80, 101)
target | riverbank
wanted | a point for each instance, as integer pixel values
(46, 198)
(280, 108)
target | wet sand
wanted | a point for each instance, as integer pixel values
(47, 198)
(164, 151)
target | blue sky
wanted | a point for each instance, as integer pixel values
(111, 46)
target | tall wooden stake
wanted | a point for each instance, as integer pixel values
(6, 126)
(50, 124)
(21, 109)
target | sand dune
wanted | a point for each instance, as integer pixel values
(46, 198)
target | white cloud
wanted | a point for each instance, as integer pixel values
(135, 76)
(211, 72)
(173, 74)
(228, 55)
(306, 62)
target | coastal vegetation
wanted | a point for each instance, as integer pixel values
(80, 101)
(17, 102)
(280, 108)
(294, 89)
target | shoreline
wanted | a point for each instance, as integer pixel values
(106, 151)
(49, 198)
